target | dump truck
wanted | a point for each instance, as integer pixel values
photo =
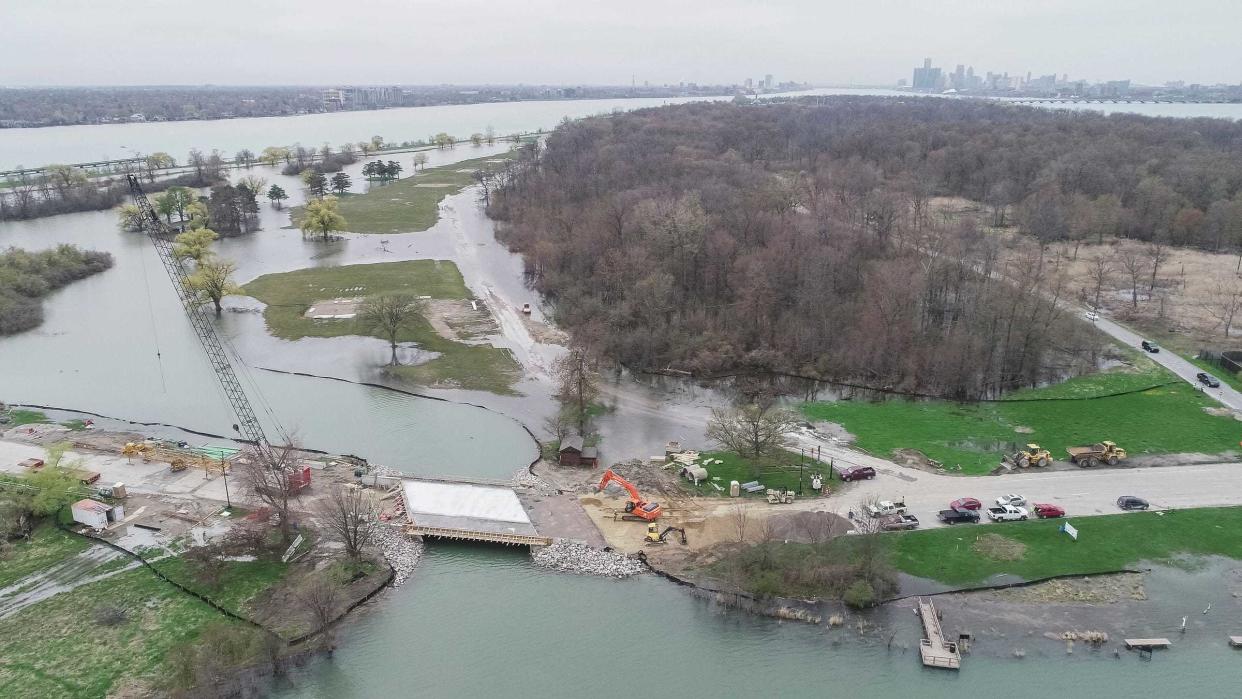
(1032, 455)
(1089, 455)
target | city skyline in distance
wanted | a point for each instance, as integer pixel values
(106, 42)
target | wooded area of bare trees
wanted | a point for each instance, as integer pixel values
(803, 239)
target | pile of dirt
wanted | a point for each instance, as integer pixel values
(999, 548)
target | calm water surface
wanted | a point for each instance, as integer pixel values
(472, 621)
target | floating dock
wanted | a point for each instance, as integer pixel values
(467, 511)
(1235, 641)
(1147, 643)
(934, 650)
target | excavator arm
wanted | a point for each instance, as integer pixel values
(641, 509)
(610, 477)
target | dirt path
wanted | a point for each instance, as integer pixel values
(62, 577)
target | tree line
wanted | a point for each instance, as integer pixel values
(716, 238)
(26, 277)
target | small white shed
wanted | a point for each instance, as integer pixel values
(95, 514)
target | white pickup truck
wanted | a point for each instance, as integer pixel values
(885, 507)
(1007, 513)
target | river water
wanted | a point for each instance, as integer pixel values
(472, 621)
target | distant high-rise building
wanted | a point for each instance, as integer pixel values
(767, 81)
(927, 77)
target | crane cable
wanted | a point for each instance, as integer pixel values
(155, 333)
(248, 377)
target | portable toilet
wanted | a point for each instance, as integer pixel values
(735, 489)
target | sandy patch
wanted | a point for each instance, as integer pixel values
(999, 548)
(458, 320)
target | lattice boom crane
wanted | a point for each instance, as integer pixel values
(160, 235)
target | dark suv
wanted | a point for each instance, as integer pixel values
(1150, 346)
(855, 473)
(1207, 379)
(1130, 502)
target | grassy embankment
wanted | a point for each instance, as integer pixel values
(58, 647)
(288, 295)
(968, 555)
(772, 472)
(1162, 420)
(29, 417)
(410, 204)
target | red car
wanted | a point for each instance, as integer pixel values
(965, 504)
(1044, 510)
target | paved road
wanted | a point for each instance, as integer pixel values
(1082, 492)
(1226, 395)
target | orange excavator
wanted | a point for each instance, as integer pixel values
(637, 508)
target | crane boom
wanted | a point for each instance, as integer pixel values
(160, 235)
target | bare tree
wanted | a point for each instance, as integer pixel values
(1100, 274)
(1157, 254)
(348, 514)
(322, 601)
(576, 384)
(1134, 262)
(754, 430)
(558, 424)
(1224, 302)
(739, 518)
(390, 316)
(274, 483)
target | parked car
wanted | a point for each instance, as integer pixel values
(965, 504)
(1091, 316)
(1131, 502)
(892, 523)
(955, 516)
(1007, 513)
(855, 473)
(1011, 499)
(1045, 510)
(1208, 380)
(1149, 346)
(885, 507)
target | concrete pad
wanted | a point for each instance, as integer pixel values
(335, 309)
(483, 508)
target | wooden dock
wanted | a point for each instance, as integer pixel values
(934, 650)
(1147, 643)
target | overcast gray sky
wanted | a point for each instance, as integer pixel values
(108, 42)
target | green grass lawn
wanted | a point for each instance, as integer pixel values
(240, 581)
(777, 473)
(47, 547)
(410, 204)
(289, 294)
(1166, 419)
(1104, 543)
(25, 417)
(56, 648)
